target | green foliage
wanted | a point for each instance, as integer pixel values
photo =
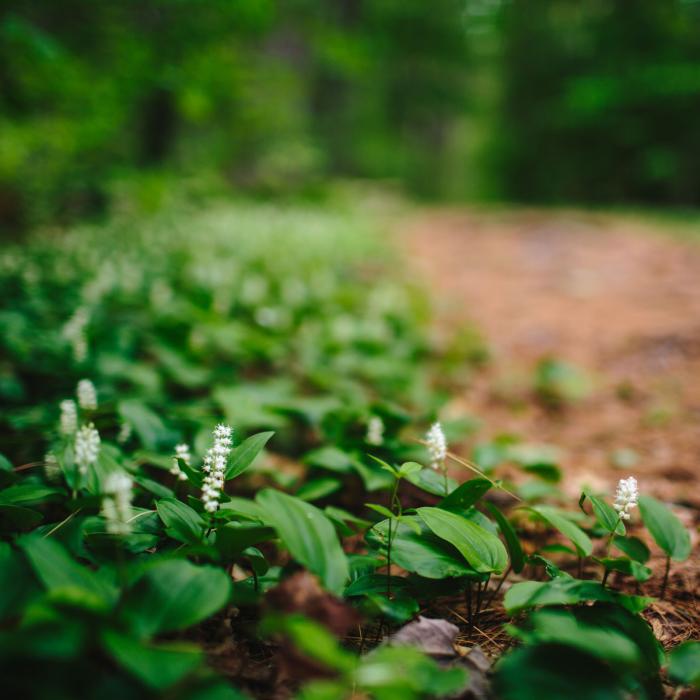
(684, 664)
(668, 532)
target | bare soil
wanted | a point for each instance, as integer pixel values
(619, 299)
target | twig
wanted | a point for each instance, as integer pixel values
(62, 523)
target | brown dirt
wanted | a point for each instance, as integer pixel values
(615, 297)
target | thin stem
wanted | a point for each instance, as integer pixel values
(388, 561)
(62, 523)
(608, 547)
(665, 583)
(498, 586)
(468, 598)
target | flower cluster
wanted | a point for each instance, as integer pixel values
(215, 467)
(87, 395)
(375, 431)
(74, 332)
(87, 447)
(116, 503)
(626, 497)
(52, 469)
(437, 446)
(69, 417)
(182, 451)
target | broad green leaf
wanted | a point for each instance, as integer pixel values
(18, 519)
(606, 516)
(465, 495)
(633, 547)
(243, 455)
(432, 482)
(627, 566)
(684, 664)
(308, 534)
(28, 494)
(57, 570)
(147, 424)
(331, 458)
(382, 510)
(554, 671)
(158, 666)
(666, 529)
(566, 591)
(517, 558)
(182, 522)
(484, 551)
(572, 532)
(233, 538)
(17, 582)
(174, 594)
(408, 468)
(315, 489)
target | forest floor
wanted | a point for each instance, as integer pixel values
(616, 297)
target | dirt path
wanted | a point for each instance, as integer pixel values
(622, 304)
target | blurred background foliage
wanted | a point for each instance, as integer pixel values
(548, 101)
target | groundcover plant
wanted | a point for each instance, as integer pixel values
(221, 454)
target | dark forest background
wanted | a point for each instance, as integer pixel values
(541, 101)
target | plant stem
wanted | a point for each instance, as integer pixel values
(665, 583)
(498, 587)
(608, 547)
(388, 562)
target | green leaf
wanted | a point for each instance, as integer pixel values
(628, 567)
(315, 489)
(408, 468)
(484, 551)
(517, 558)
(147, 424)
(330, 458)
(18, 519)
(566, 591)
(308, 534)
(233, 538)
(666, 529)
(382, 510)
(684, 664)
(465, 495)
(243, 455)
(57, 570)
(554, 671)
(606, 516)
(430, 481)
(182, 522)
(174, 594)
(27, 494)
(572, 532)
(633, 547)
(17, 583)
(158, 666)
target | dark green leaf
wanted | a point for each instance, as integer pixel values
(606, 516)
(517, 558)
(684, 664)
(174, 594)
(182, 522)
(309, 536)
(465, 495)
(572, 532)
(484, 551)
(666, 529)
(633, 547)
(243, 455)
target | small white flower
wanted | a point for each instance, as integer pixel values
(626, 497)
(215, 467)
(74, 332)
(52, 469)
(182, 451)
(437, 446)
(124, 433)
(87, 395)
(69, 417)
(116, 503)
(375, 431)
(87, 447)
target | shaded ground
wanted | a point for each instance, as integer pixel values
(621, 303)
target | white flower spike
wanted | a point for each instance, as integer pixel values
(182, 451)
(437, 446)
(69, 417)
(116, 503)
(87, 395)
(215, 466)
(87, 447)
(375, 431)
(626, 497)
